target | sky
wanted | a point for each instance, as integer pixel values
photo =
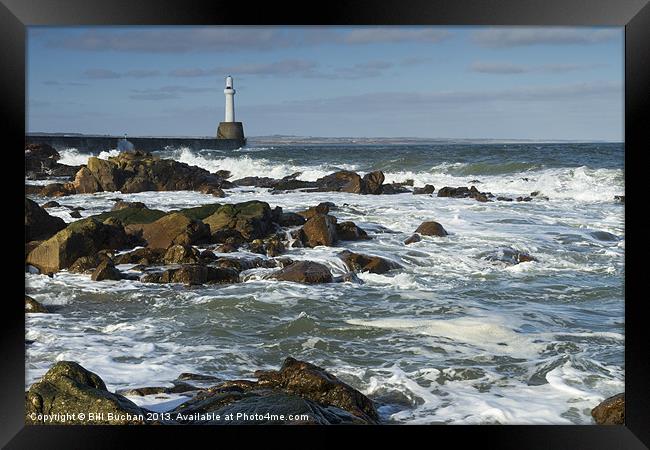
(550, 83)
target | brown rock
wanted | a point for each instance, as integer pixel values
(610, 411)
(413, 238)
(304, 272)
(252, 220)
(106, 271)
(32, 306)
(348, 231)
(172, 229)
(372, 182)
(85, 182)
(344, 181)
(81, 238)
(320, 230)
(314, 383)
(427, 189)
(38, 223)
(181, 254)
(431, 229)
(365, 263)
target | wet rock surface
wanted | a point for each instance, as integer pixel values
(366, 263)
(610, 411)
(304, 272)
(431, 228)
(39, 224)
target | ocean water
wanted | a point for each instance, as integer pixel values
(450, 338)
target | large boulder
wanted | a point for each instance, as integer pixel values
(431, 228)
(372, 183)
(320, 229)
(610, 411)
(39, 224)
(39, 157)
(136, 171)
(181, 254)
(349, 231)
(304, 272)
(171, 229)
(81, 238)
(194, 274)
(68, 391)
(251, 220)
(106, 271)
(365, 263)
(314, 383)
(132, 214)
(343, 181)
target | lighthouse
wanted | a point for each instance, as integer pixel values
(229, 92)
(229, 129)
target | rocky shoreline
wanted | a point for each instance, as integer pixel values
(191, 246)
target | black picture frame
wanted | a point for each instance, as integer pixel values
(634, 15)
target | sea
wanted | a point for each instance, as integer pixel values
(454, 337)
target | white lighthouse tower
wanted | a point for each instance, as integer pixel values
(229, 129)
(229, 92)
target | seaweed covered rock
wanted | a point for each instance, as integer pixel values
(251, 220)
(304, 272)
(130, 213)
(82, 238)
(68, 390)
(171, 229)
(39, 224)
(365, 263)
(314, 383)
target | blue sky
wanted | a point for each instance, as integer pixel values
(437, 82)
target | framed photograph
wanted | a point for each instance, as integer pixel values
(398, 216)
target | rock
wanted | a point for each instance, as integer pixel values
(464, 192)
(227, 248)
(343, 181)
(194, 274)
(291, 220)
(431, 229)
(427, 189)
(75, 214)
(172, 229)
(51, 190)
(304, 272)
(86, 263)
(132, 215)
(40, 156)
(31, 245)
(504, 199)
(604, 236)
(121, 204)
(348, 277)
(39, 224)
(182, 254)
(319, 230)
(85, 183)
(314, 383)
(610, 411)
(252, 220)
(68, 390)
(620, 198)
(365, 263)
(51, 204)
(207, 255)
(524, 199)
(32, 306)
(213, 190)
(413, 238)
(145, 256)
(200, 212)
(348, 231)
(106, 271)
(241, 264)
(136, 171)
(274, 247)
(372, 183)
(321, 208)
(81, 238)
(509, 256)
